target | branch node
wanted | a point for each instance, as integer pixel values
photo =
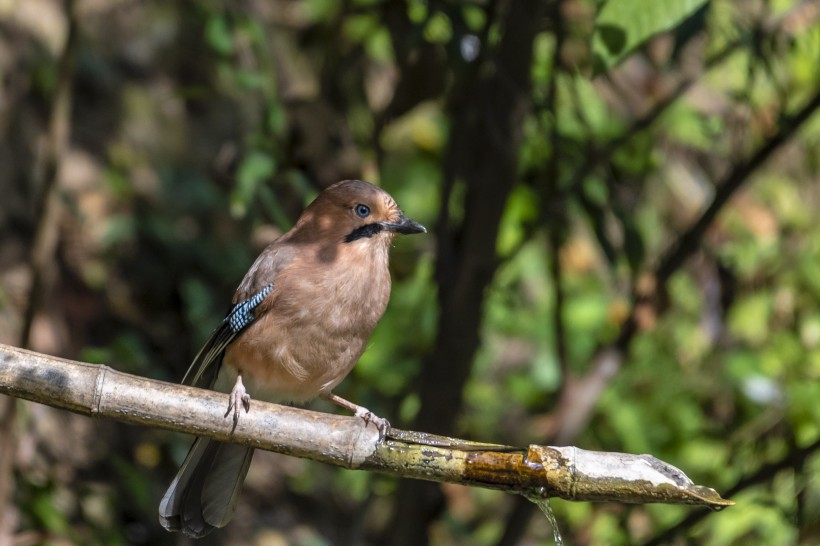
(99, 385)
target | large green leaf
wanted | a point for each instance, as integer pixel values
(623, 25)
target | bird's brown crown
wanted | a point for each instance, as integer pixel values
(351, 210)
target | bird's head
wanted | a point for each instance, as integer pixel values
(353, 210)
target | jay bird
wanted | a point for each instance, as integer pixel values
(299, 322)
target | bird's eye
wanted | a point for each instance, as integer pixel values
(362, 211)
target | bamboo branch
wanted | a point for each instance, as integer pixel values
(536, 472)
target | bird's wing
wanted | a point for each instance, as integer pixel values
(249, 303)
(205, 367)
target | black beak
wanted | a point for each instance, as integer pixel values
(405, 226)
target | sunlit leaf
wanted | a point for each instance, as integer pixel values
(749, 318)
(439, 29)
(623, 25)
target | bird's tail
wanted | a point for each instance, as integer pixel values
(204, 492)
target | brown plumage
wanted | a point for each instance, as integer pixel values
(300, 320)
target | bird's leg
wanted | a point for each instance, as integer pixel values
(360, 411)
(238, 397)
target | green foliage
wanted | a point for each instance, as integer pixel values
(623, 25)
(438, 29)
(218, 34)
(366, 30)
(200, 130)
(692, 128)
(255, 169)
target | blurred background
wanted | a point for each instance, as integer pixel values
(624, 251)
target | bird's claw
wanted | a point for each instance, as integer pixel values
(238, 397)
(369, 417)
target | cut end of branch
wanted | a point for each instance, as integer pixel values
(710, 498)
(619, 477)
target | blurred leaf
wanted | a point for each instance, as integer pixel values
(688, 126)
(439, 29)
(633, 244)
(354, 485)
(276, 119)
(359, 28)
(474, 17)
(252, 80)
(606, 529)
(703, 455)
(597, 217)
(49, 514)
(417, 10)
(200, 308)
(118, 184)
(803, 407)
(218, 34)
(137, 487)
(378, 45)
(741, 364)
(521, 389)
(623, 25)
(321, 10)
(409, 408)
(423, 127)
(521, 210)
(268, 199)
(545, 373)
(255, 168)
(627, 422)
(118, 230)
(585, 314)
(809, 270)
(758, 524)
(582, 111)
(749, 318)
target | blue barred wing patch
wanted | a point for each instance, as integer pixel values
(206, 364)
(242, 314)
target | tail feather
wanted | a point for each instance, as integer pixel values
(203, 495)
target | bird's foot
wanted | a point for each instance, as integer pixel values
(238, 397)
(369, 417)
(359, 411)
